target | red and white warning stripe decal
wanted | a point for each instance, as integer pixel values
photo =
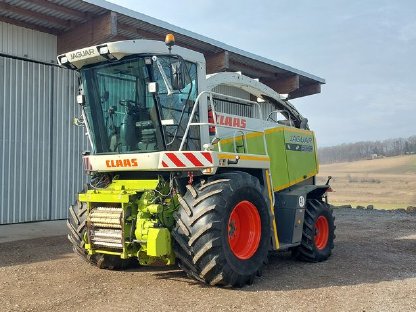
(186, 159)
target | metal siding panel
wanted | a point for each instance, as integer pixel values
(41, 167)
(25, 140)
(27, 43)
(4, 115)
(68, 142)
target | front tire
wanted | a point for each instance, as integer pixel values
(77, 225)
(222, 233)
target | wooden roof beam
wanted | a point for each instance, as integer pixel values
(306, 90)
(135, 32)
(218, 62)
(5, 7)
(283, 85)
(60, 8)
(98, 30)
(249, 70)
(29, 25)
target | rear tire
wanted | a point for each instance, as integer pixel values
(211, 234)
(318, 232)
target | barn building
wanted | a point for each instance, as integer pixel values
(40, 161)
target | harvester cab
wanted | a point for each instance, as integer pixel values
(185, 169)
(140, 104)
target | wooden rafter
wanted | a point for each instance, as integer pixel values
(135, 32)
(283, 85)
(218, 62)
(98, 30)
(249, 70)
(29, 25)
(5, 8)
(306, 90)
(60, 8)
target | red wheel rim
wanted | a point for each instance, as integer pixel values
(244, 230)
(321, 232)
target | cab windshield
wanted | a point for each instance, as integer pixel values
(140, 104)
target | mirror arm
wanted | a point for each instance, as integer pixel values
(163, 74)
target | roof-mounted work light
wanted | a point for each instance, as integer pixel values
(105, 52)
(64, 61)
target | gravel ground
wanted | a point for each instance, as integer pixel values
(373, 268)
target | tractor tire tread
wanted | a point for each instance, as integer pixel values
(184, 205)
(192, 190)
(205, 185)
(200, 253)
(205, 196)
(201, 232)
(77, 225)
(201, 213)
(206, 248)
(307, 250)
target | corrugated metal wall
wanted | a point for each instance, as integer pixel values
(68, 142)
(40, 161)
(27, 43)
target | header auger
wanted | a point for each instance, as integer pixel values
(182, 173)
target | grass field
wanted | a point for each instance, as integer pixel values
(386, 183)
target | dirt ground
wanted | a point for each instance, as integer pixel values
(373, 268)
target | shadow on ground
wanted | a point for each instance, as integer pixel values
(34, 250)
(347, 266)
(371, 247)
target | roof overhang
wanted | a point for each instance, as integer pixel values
(79, 24)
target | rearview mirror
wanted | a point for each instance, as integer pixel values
(178, 75)
(81, 99)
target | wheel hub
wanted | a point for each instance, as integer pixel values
(321, 232)
(231, 228)
(244, 230)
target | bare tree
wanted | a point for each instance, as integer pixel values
(367, 149)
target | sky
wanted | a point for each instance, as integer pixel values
(365, 50)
